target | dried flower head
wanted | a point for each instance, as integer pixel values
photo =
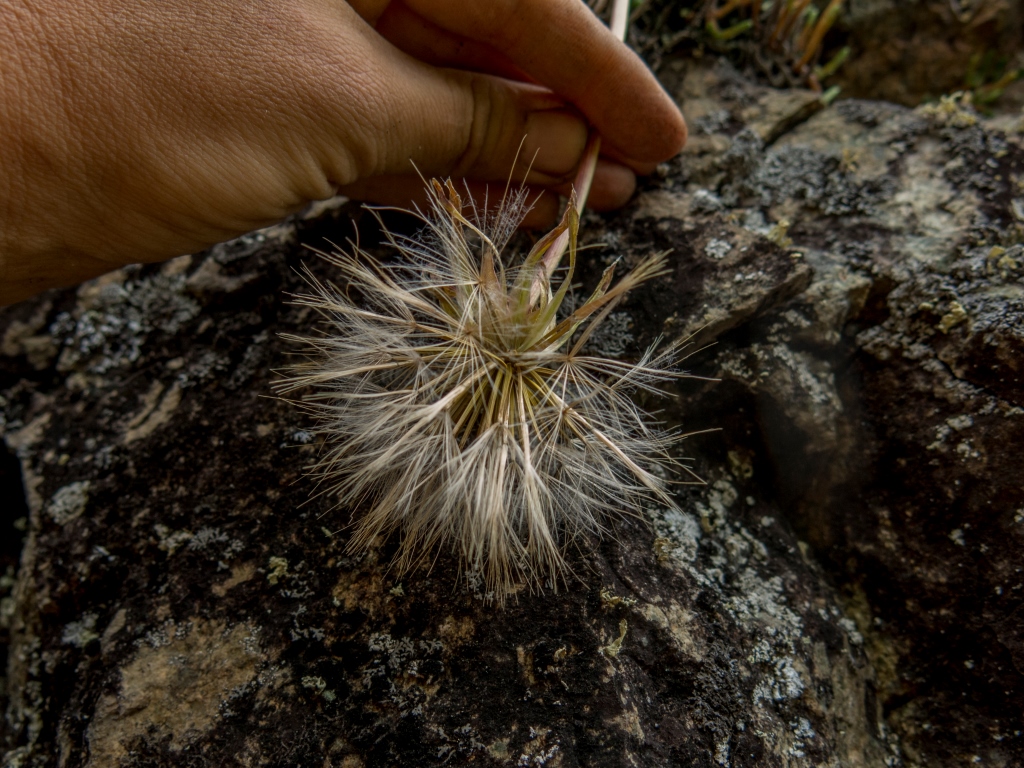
(457, 403)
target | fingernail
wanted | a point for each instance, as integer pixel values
(554, 142)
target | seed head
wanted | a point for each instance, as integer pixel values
(456, 402)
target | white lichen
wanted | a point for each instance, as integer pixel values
(80, 633)
(69, 502)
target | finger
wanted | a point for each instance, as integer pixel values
(432, 44)
(426, 41)
(370, 10)
(638, 167)
(611, 189)
(562, 45)
(409, 192)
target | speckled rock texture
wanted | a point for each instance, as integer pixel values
(844, 591)
(889, 393)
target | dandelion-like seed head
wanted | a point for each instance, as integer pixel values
(457, 404)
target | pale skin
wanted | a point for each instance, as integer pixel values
(136, 131)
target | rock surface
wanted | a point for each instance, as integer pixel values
(845, 590)
(889, 393)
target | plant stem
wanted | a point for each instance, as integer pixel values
(620, 18)
(588, 164)
(825, 22)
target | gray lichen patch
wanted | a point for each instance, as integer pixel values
(69, 502)
(174, 691)
(613, 338)
(117, 313)
(784, 670)
(80, 633)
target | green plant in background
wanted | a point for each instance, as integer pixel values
(786, 36)
(782, 39)
(988, 75)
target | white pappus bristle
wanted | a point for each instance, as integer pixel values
(457, 406)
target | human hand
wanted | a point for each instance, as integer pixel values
(134, 131)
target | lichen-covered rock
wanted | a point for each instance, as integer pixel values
(181, 601)
(889, 393)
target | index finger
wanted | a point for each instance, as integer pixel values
(564, 46)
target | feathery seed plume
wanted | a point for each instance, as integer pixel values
(458, 406)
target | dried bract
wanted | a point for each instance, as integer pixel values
(458, 406)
